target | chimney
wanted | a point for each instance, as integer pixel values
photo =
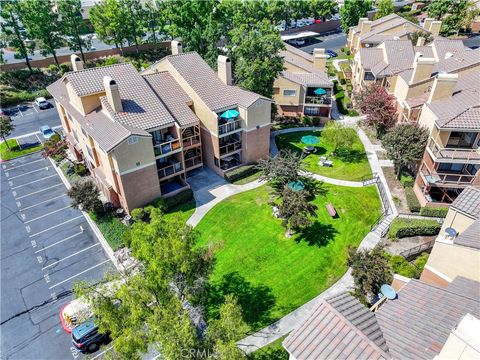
(435, 28)
(113, 94)
(318, 51)
(320, 61)
(427, 23)
(422, 68)
(176, 47)
(77, 63)
(443, 87)
(224, 66)
(366, 27)
(360, 23)
(420, 41)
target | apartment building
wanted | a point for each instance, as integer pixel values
(369, 34)
(303, 87)
(234, 123)
(452, 158)
(457, 248)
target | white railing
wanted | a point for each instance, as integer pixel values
(453, 153)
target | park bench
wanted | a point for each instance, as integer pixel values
(331, 210)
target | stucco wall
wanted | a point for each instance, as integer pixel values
(457, 220)
(128, 157)
(284, 84)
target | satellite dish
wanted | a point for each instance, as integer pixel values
(388, 292)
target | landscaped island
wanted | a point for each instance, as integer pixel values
(270, 274)
(348, 164)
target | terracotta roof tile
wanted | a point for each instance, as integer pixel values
(468, 201)
(308, 79)
(470, 237)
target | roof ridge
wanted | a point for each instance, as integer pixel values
(97, 68)
(442, 289)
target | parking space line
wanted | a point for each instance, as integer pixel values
(69, 256)
(39, 140)
(36, 192)
(28, 163)
(59, 242)
(76, 275)
(35, 108)
(34, 181)
(55, 226)
(42, 202)
(50, 213)
(30, 172)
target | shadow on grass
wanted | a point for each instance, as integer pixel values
(269, 354)
(317, 234)
(350, 155)
(256, 301)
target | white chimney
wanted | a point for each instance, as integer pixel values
(320, 61)
(427, 23)
(113, 94)
(224, 66)
(77, 63)
(420, 41)
(176, 47)
(318, 51)
(422, 68)
(443, 87)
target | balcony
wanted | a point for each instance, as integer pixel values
(318, 100)
(191, 141)
(229, 126)
(169, 168)
(167, 147)
(229, 147)
(446, 178)
(193, 162)
(454, 154)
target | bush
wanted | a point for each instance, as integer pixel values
(402, 227)
(175, 200)
(406, 180)
(420, 262)
(138, 214)
(80, 169)
(316, 121)
(440, 212)
(240, 173)
(305, 120)
(412, 201)
(341, 77)
(402, 267)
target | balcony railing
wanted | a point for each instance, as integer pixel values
(453, 153)
(169, 170)
(191, 140)
(193, 161)
(166, 147)
(317, 100)
(446, 178)
(230, 147)
(229, 127)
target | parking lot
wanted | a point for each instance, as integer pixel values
(46, 246)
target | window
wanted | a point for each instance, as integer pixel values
(132, 140)
(84, 132)
(89, 151)
(75, 135)
(289, 92)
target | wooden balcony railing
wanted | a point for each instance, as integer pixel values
(193, 161)
(169, 170)
(316, 100)
(191, 140)
(229, 127)
(166, 147)
(453, 153)
(230, 147)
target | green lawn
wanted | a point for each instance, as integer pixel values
(112, 229)
(182, 211)
(271, 275)
(248, 179)
(15, 151)
(348, 165)
(272, 351)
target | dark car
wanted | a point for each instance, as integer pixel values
(331, 53)
(86, 338)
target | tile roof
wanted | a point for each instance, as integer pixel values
(442, 46)
(459, 60)
(207, 85)
(467, 287)
(173, 96)
(372, 58)
(332, 332)
(390, 58)
(426, 51)
(384, 24)
(468, 202)
(296, 51)
(418, 322)
(470, 237)
(308, 79)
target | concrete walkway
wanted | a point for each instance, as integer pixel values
(336, 63)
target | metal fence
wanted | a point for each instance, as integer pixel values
(407, 254)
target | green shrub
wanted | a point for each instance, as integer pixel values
(180, 198)
(348, 81)
(347, 52)
(402, 227)
(412, 201)
(138, 214)
(440, 212)
(240, 173)
(305, 120)
(57, 158)
(349, 87)
(316, 121)
(341, 77)
(406, 180)
(80, 169)
(420, 262)
(402, 267)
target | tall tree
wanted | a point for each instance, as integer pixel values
(85, 196)
(282, 168)
(405, 145)
(384, 8)
(322, 9)
(295, 210)
(133, 17)
(352, 11)
(155, 19)
(455, 14)
(11, 13)
(6, 128)
(339, 135)
(73, 26)
(43, 25)
(108, 21)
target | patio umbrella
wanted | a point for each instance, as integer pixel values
(320, 91)
(296, 185)
(229, 114)
(310, 139)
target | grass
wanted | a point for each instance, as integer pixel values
(272, 351)
(271, 275)
(71, 175)
(248, 179)
(15, 150)
(350, 165)
(182, 211)
(112, 229)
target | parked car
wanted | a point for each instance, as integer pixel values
(330, 53)
(2, 112)
(42, 103)
(86, 338)
(47, 132)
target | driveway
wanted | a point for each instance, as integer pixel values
(331, 42)
(46, 246)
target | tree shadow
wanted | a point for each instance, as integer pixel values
(256, 301)
(317, 234)
(350, 155)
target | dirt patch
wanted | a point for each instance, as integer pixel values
(382, 155)
(397, 190)
(395, 247)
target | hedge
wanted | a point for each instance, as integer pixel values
(341, 77)
(412, 201)
(406, 180)
(401, 266)
(180, 198)
(440, 212)
(402, 227)
(240, 173)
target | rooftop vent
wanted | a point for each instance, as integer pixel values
(448, 55)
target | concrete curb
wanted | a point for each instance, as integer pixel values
(21, 156)
(106, 247)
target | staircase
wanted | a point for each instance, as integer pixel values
(382, 227)
(370, 181)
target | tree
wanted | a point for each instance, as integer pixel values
(384, 8)
(281, 168)
(85, 196)
(107, 19)
(417, 34)
(379, 106)
(455, 14)
(6, 128)
(338, 135)
(405, 145)
(133, 16)
(352, 11)
(370, 270)
(295, 210)
(322, 9)
(55, 147)
(73, 25)
(11, 14)
(43, 25)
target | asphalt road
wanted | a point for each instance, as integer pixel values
(46, 246)
(330, 42)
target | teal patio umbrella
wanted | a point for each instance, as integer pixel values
(296, 185)
(320, 91)
(229, 114)
(310, 139)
